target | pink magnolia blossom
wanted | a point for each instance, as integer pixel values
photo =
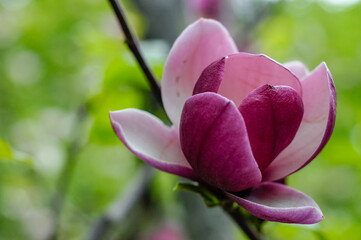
(240, 122)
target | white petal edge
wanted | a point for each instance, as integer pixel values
(277, 202)
(151, 140)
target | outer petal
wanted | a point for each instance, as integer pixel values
(273, 116)
(319, 98)
(277, 202)
(297, 68)
(150, 140)
(215, 142)
(199, 45)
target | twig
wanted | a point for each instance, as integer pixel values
(241, 221)
(67, 171)
(133, 45)
(124, 204)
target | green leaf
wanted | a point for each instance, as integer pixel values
(7, 154)
(319, 235)
(5, 150)
(209, 198)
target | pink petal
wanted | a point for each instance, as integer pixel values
(150, 140)
(215, 142)
(245, 72)
(277, 202)
(199, 45)
(272, 116)
(319, 99)
(211, 77)
(297, 68)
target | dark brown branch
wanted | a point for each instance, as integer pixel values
(241, 221)
(133, 45)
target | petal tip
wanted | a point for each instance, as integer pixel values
(276, 202)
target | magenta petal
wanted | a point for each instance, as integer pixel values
(215, 142)
(277, 202)
(199, 45)
(245, 72)
(150, 140)
(319, 99)
(272, 116)
(211, 77)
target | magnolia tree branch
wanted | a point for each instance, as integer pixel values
(133, 45)
(123, 205)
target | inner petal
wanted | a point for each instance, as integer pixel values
(272, 115)
(214, 140)
(245, 72)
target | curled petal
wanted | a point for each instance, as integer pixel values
(150, 140)
(244, 72)
(277, 202)
(215, 142)
(211, 77)
(319, 99)
(297, 68)
(272, 116)
(198, 46)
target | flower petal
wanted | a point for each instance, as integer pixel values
(277, 202)
(319, 99)
(297, 68)
(272, 116)
(150, 140)
(245, 72)
(215, 142)
(199, 45)
(211, 77)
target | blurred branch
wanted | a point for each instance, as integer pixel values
(242, 222)
(123, 205)
(133, 45)
(67, 171)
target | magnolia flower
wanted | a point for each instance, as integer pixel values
(240, 122)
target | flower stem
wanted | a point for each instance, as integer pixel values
(133, 45)
(241, 221)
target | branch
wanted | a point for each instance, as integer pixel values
(123, 205)
(241, 221)
(133, 45)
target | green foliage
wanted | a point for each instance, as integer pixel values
(56, 56)
(5, 151)
(209, 198)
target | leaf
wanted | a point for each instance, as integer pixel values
(7, 154)
(5, 150)
(319, 235)
(209, 198)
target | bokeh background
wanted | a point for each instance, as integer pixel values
(63, 66)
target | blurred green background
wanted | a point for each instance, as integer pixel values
(63, 66)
